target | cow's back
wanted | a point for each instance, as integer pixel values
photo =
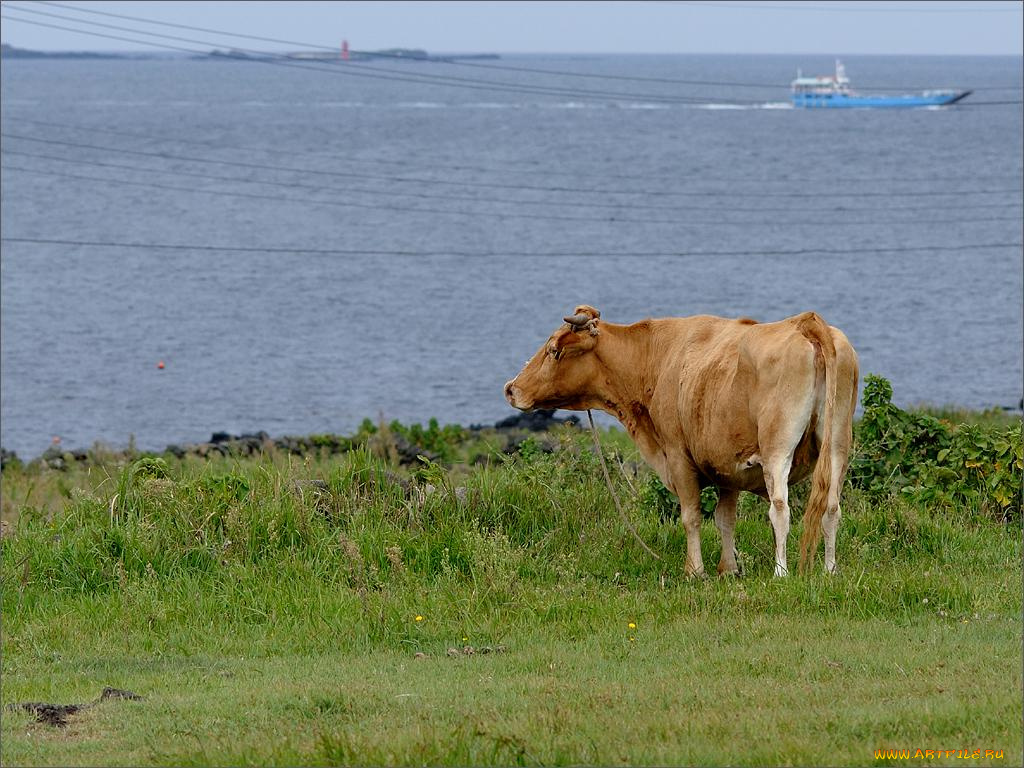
(728, 376)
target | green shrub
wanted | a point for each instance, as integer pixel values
(151, 466)
(443, 441)
(930, 461)
(655, 498)
(892, 445)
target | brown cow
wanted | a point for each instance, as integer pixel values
(741, 405)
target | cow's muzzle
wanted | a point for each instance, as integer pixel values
(514, 396)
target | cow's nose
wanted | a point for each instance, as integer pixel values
(508, 392)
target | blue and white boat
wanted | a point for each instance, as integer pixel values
(833, 92)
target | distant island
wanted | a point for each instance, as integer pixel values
(11, 52)
(409, 54)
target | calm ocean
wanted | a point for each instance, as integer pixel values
(420, 241)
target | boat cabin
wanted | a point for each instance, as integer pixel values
(824, 85)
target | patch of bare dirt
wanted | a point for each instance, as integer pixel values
(57, 714)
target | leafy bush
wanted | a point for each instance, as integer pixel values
(151, 466)
(226, 488)
(892, 445)
(928, 460)
(443, 441)
(981, 467)
(656, 498)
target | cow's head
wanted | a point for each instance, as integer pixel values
(563, 372)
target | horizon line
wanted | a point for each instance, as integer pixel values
(172, 54)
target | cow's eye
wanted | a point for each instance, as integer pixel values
(554, 352)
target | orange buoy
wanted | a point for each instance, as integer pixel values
(160, 365)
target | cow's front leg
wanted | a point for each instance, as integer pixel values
(725, 520)
(687, 488)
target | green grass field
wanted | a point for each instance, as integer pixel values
(317, 611)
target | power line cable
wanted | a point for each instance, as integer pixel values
(435, 80)
(699, 83)
(361, 70)
(284, 61)
(808, 216)
(266, 57)
(517, 254)
(477, 65)
(341, 204)
(505, 169)
(844, 221)
(836, 8)
(446, 182)
(843, 210)
(448, 212)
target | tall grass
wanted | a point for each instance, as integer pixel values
(274, 607)
(544, 520)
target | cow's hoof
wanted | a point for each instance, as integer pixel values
(728, 570)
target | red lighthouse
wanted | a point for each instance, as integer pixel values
(344, 50)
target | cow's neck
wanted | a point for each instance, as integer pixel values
(627, 385)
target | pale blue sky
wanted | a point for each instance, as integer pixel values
(776, 26)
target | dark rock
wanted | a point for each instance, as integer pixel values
(543, 445)
(407, 486)
(119, 693)
(55, 458)
(211, 449)
(296, 445)
(246, 445)
(320, 494)
(221, 437)
(8, 458)
(535, 421)
(176, 451)
(408, 452)
(53, 452)
(57, 714)
(51, 714)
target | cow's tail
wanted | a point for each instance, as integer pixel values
(818, 333)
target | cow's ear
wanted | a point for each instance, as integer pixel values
(575, 341)
(586, 309)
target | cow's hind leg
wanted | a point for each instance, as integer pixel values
(776, 478)
(829, 524)
(830, 520)
(782, 437)
(725, 520)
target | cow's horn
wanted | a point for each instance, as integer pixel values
(578, 321)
